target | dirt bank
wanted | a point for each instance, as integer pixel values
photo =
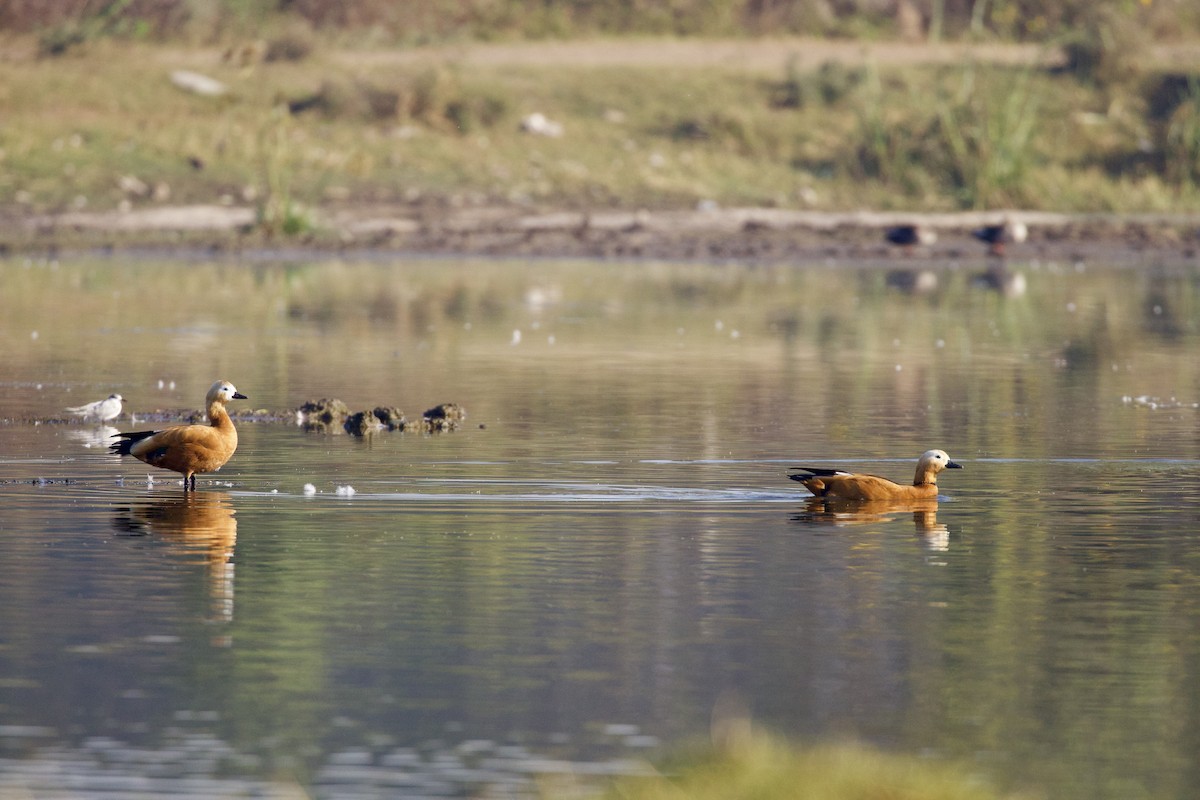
(710, 234)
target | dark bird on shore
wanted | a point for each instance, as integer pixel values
(909, 236)
(996, 236)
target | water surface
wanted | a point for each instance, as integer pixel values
(609, 547)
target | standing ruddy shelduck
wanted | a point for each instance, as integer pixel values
(849, 486)
(189, 449)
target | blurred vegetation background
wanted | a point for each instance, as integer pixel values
(1089, 106)
(421, 21)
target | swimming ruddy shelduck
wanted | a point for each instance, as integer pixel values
(189, 449)
(849, 486)
(100, 410)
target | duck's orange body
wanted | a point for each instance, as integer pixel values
(851, 486)
(189, 449)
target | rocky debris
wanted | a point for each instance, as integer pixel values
(445, 417)
(322, 416)
(362, 423)
(390, 417)
(329, 415)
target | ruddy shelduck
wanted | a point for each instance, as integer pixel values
(835, 483)
(189, 449)
(100, 410)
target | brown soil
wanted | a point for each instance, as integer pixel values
(711, 234)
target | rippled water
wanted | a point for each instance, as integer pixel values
(609, 547)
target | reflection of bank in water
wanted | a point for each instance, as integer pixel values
(840, 513)
(192, 525)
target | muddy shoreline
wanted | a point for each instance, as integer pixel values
(327, 415)
(705, 234)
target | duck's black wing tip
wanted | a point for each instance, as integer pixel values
(128, 440)
(814, 472)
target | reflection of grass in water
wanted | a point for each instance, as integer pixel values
(835, 312)
(767, 769)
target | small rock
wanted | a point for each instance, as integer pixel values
(131, 184)
(196, 83)
(537, 123)
(390, 417)
(448, 411)
(322, 416)
(363, 423)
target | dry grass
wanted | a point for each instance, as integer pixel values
(103, 126)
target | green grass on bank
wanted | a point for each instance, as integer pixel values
(768, 769)
(103, 127)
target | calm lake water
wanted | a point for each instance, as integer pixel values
(609, 547)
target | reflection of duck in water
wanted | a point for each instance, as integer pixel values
(912, 281)
(999, 278)
(852, 486)
(843, 513)
(193, 525)
(188, 449)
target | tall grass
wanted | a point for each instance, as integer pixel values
(986, 137)
(972, 140)
(769, 769)
(1181, 148)
(278, 211)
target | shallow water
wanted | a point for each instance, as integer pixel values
(609, 547)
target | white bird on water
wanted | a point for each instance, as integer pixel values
(100, 410)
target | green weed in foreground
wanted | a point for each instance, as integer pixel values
(763, 768)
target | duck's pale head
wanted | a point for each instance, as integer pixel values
(223, 392)
(936, 461)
